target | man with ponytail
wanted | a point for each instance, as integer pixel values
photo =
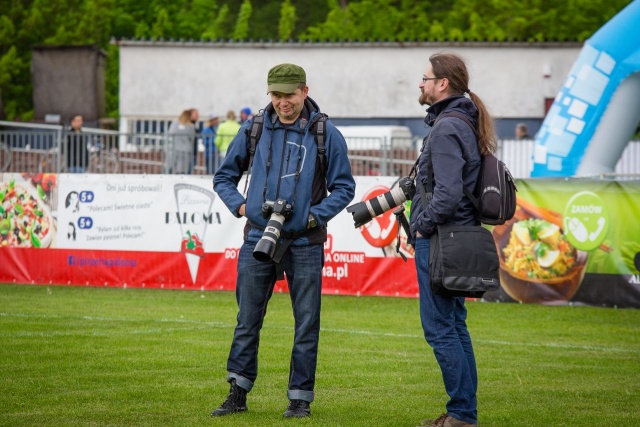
(461, 130)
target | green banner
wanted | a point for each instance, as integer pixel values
(572, 241)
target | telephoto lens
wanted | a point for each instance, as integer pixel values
(266, 246)
(365, 211)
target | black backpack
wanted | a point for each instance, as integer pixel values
(495, 193)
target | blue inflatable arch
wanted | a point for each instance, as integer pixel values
(598, 108)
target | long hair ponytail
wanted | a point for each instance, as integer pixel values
(487, 139)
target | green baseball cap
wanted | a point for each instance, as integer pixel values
(285, 78)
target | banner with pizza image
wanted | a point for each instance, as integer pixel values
(174, 232)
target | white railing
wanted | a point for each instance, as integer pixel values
(28, 147)
(517, 156)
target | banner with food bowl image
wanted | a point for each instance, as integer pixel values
(571, 241)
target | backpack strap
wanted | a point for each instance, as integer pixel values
(320, 132)
(461, 117)
(319, 128)
(464, 118)
(254, 136)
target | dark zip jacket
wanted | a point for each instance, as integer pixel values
(456, 159)
(287, 152)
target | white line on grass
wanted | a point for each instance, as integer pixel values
(204, 325)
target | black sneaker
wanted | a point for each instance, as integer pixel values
(236, 401)
(297, 409)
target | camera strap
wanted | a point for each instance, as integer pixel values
(427, 193)
(402, 222)
(281, 248)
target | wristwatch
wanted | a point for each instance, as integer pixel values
(312, 222)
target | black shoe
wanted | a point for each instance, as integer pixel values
(236, 401)
(297, 409)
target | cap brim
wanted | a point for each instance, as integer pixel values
(282, 87)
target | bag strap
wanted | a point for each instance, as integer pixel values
(319, 129)
(462, 117)
(254, 136)
(466, 191)
(321, 121)
(428, 190)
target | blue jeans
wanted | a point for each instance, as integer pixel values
(444, 325)
(303, 268)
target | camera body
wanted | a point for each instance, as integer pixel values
(278, 212)
(408, 187)
(280, 206)
(365, 211)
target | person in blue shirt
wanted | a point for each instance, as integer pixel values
(210, 150)
(245, 114)
(287, 176)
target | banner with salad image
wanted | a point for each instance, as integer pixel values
(572, 241)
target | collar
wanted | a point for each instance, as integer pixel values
(434, 111)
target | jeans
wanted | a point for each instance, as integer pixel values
(303, 268)
(444, 325)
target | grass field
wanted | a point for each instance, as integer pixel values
(76, 356)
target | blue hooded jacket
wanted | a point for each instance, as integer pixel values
(456, 161)
(280, 153)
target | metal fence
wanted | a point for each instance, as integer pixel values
(33, 148)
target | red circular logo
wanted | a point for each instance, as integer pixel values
(382, 229)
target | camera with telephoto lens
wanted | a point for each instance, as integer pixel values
(277, 212)
(365, 211)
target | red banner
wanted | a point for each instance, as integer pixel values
(576, 243)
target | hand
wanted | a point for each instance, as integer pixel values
(242, 209)
(311, 222)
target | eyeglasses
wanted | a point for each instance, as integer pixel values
(424, 79)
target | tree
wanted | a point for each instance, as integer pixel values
(215, 30)
(287, 20)
(162, 25)
(28, 23)
(242, 24)
(10, 66)
(336, 26)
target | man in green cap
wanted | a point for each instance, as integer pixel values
(297, 185)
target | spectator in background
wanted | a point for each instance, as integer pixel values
(194, 116)
(77, 151)
(179, 150)
(210, 149)
(245, 114)
(522, 132)
(226, 132)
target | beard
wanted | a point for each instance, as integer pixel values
(423, 99)
(290, 116)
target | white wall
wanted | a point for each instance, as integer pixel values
(160, 79)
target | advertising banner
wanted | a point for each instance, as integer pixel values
(571, 241)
